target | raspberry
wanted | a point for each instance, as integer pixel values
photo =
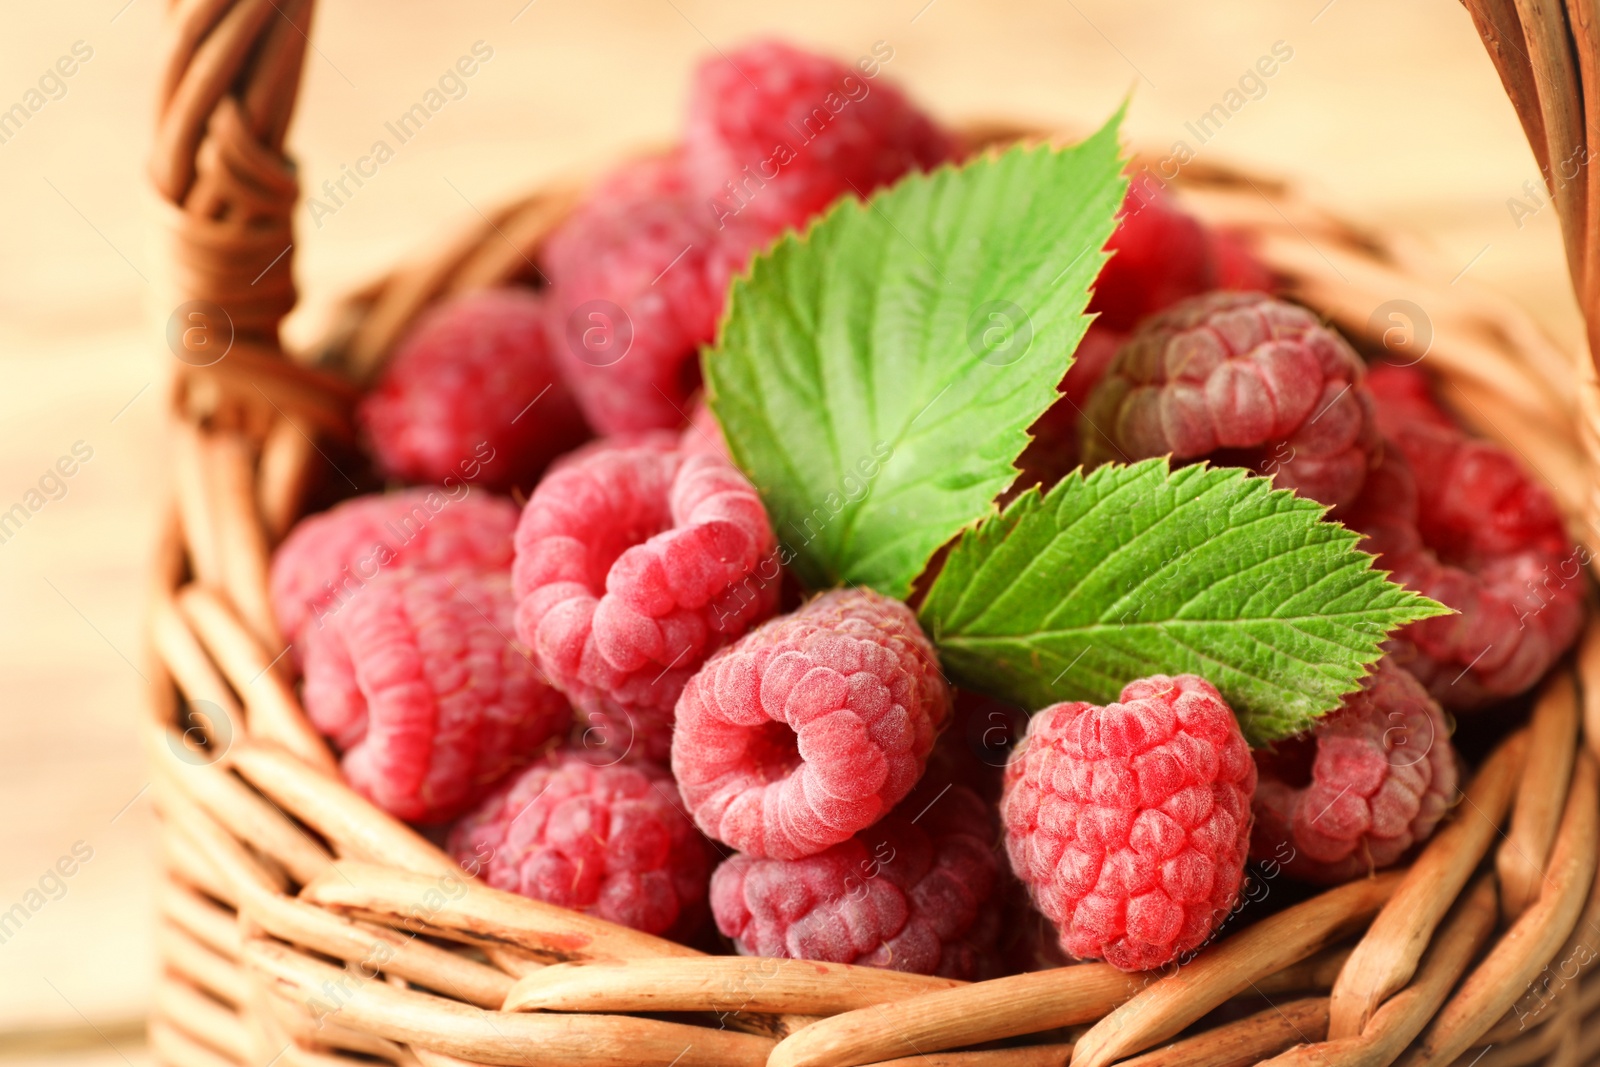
(1054, 449)
(656, 440)
(472, 393)
(781, 134)
(915, 892)
(810, 728)
(1237, 266)
(1245, 380)
(704, 433)
(635, 563)
(1129, 823)
(638, 277)
(1404, 396)
(425, 696)
(1028, 941)
(327, 558)
(1358, 791)
(1160, 255)
(1090, 362)
(1478, 535)
(609, 841)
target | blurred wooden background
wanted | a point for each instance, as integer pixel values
(1389, 113)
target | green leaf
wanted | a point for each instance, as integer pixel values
(876, 376)
(1139, 570)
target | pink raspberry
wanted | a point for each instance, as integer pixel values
(329, 557)
(1362, 788)
(427, 699)
(633, 565)
(1478, 535)
(472, 393)
(1160, 255)
(609, 841)
(914, 892)
(1245, 380)
(780, 134)
(639, 273)
(1129, 823)
(810, 728)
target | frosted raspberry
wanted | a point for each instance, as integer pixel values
(633, 565)
(1244, 380)
(472, 393)
(1160, 255)
(1357, 792)
(810, 728)
(780, 134)
(1479, 535)
(914, 892)
(639, 273)
(420, 688)
(1129, 823)
(610, 841)
(328, 557)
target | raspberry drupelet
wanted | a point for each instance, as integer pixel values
(1478, 534)
(1129, 823)
(1242, 379)
(609, 841)
(329, 557)
(473, 387)
(1358, 791)
(426, 698)
(811, 727)
(634, 563)
(917, 891)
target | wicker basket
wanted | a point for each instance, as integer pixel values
(301, 924)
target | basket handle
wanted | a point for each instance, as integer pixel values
(1548, 55)
(225, 191)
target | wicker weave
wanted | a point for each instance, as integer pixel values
(299, 923)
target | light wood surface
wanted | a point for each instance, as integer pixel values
(1390, 113)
